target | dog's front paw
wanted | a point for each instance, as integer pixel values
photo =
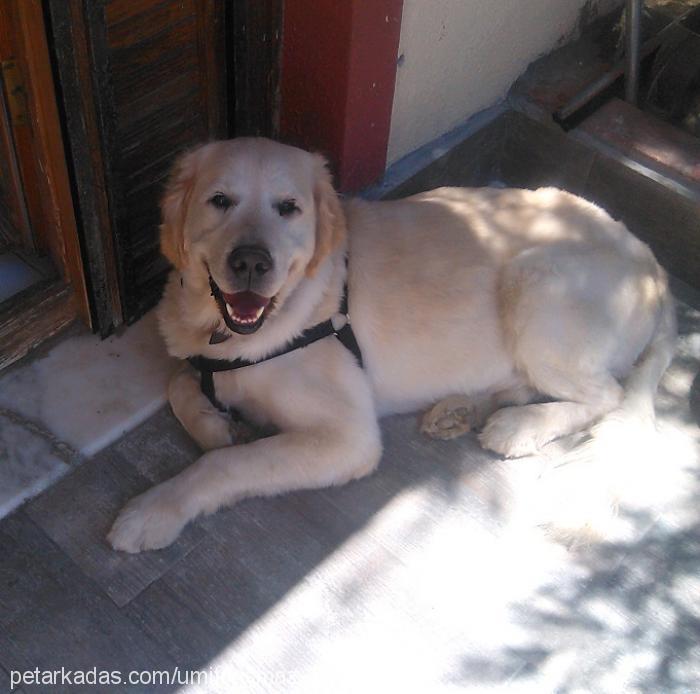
(152, 520)
(512, 433)
(211, 430)
(214, 430)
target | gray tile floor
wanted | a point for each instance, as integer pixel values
(426, 576)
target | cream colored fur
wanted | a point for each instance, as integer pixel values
(481, 296)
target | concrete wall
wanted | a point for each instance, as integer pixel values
(457, 57)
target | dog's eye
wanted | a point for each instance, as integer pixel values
(287, 207)
(221, 201)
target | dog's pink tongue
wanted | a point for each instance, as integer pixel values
(246, 304)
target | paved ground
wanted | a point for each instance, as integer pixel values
(430, 575)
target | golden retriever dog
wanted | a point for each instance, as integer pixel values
(475, 303)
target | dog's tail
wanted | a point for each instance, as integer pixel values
(624, 459)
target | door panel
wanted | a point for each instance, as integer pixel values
(154, 75)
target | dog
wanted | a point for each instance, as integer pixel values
(474, 303)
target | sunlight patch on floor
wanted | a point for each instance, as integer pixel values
(398, 606)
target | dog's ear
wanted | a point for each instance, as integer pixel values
(173, 207)
(330, 218)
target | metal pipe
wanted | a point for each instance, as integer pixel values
(633, 33)
(579, 100)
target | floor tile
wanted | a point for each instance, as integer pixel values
(51, 616)
(78, 512)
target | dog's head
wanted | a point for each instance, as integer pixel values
(253, 215)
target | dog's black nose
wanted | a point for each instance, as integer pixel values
(250, 261)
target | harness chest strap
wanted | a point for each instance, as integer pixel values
(208, 367)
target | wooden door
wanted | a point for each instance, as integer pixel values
(141, 81)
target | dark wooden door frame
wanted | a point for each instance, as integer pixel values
(71, 46)
(42, 310)
(40, 148)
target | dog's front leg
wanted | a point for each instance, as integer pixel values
(201, 420)
(311, 458)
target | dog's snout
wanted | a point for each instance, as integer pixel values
(250, 262)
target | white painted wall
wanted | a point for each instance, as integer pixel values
(461, 56)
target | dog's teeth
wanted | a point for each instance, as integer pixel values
(247, 320)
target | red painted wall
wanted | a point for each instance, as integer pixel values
(337, 82)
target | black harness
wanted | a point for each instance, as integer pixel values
(208, 367)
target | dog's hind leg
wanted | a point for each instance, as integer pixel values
(584, 398)
(574, 319)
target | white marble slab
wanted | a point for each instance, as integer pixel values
(87, 391)
(28, 464)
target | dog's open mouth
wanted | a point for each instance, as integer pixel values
(243, 312)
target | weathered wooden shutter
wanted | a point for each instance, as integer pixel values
(140, 82)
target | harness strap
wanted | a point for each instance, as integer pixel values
(206, 385)
(208, 367)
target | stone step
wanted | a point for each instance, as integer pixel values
(645, 139)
